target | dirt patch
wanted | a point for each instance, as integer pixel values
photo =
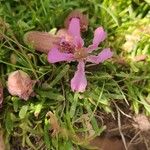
(124, 131)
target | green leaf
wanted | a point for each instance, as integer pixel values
(68, 145)
(23, 111)
(15, 101)
(9, 123)
(50, 94)
(38, 109)
(93, 119)
(28, 141)
(46, 134)
(74, 105)
(60, 75)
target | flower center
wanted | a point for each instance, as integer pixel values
(66, 47)
(80, 53)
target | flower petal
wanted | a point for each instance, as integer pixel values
(79, 82)
(55, 55)
(99, 36)
(1, 95)
(74, 30)
(64, 34)
(102, 56)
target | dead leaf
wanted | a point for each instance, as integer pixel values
(139, 58)
(20, 84)
(87, 121)
(53, 121)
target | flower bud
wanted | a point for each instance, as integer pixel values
(20, 84)
(84, 22)
(41, 41)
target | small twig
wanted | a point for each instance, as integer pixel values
(120, 131)
(100, 118)
(128, 116)
(124, 127)
(14, 40)
(147, 147)
(135, 136)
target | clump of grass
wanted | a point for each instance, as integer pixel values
(26, 123)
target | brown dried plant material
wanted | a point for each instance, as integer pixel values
(53, 121)
(84, 22)
(1, 94)
(141, 122)
(3, 28)
(20, 84)
(87, 122)
(2, 144)
(41, 41)
(139, 58)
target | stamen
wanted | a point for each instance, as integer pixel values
(80, 53)
(66, 47)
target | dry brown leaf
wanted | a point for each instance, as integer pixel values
(139, 58)
(20, 84)
(53, 121)
(87, 122)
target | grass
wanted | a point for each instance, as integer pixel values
(73, 114)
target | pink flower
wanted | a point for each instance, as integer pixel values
(1, 95)
(74, 50)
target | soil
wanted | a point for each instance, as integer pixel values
(134, 132)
